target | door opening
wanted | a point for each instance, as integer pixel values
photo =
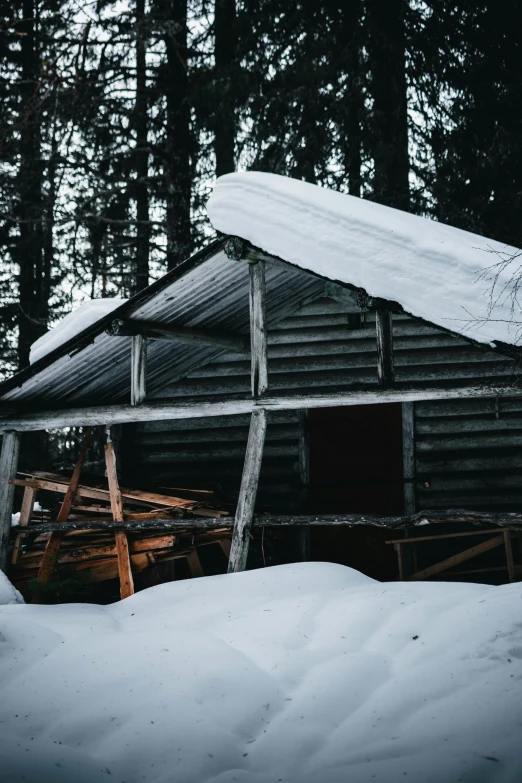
(355, 459)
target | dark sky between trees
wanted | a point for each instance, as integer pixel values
(116, 117)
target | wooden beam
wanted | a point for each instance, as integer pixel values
(303, 542)
(443, 536)
(8, 465)
(511, 520)
(122, 546)
(138, 369)
(449, 562)
(134, 496)
(247, 494)
(510, 562)
(384, 331)
(258, 338)
(186, 409)
(179, 334)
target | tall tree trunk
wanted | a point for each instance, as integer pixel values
(178, 149)
(354, 101)
(225, 53)
(33, 278)
(386, 47)
(142, 154)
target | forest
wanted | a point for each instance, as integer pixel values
(116, 116)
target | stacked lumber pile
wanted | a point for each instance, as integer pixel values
(96, 555)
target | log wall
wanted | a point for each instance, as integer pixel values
(467, 458)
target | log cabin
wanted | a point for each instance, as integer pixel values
(347, 371)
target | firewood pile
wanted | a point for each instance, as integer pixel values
(97, 554)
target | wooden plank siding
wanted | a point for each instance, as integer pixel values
(318, 348)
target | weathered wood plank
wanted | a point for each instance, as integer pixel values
(183, 334)
(183, 409)
(26, 512)
(194, 564)
(247, 494)
(384, 332)
(504, 519)
(122, 546)
(8, 465)
(138, 369)
(135, 496)
(443, 536)
(461, 557)
(258, 338)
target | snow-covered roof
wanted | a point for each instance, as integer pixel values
(75, 322)
(434, 271)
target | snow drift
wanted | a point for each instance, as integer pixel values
(436, 272)
(308, 673)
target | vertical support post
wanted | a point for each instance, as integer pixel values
(510, 562)
(138, 369)
(247, 494)
(8, 466)
(408, 475)
(304, 474)
(258, 340)
(408, 456)
(122, 546)
(384, 331)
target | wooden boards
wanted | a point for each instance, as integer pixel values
(247, 494)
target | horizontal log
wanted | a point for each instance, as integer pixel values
(454, 426)
(472, 441)
(183, 334)
(185, 409)
(501, 519)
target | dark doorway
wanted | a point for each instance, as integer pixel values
(355, 458)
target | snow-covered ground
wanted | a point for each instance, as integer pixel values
(436, 272)
(309, 673)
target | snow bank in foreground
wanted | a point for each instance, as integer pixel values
(8, 593)
(431, 269)
(74, 323)
(308, 673)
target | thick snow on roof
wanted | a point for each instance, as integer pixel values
(303, 673)
(436, 272)
(84, 316)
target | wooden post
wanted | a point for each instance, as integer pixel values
(258, 341)
(26, 513)
(50, 555)
(509, 555)
(122, 547)
(304, 474)
(384, 331)
(247, 494)
(8, 466)
(138, 369)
